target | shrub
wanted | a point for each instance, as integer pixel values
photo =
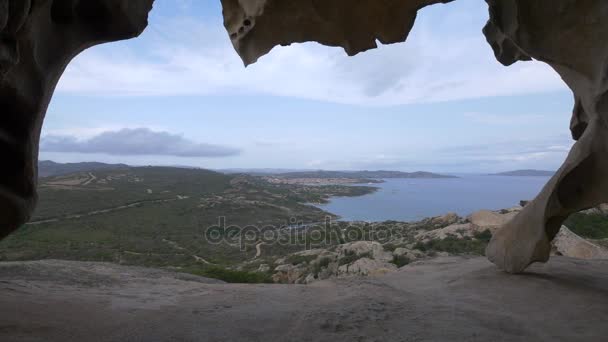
(324, 262)
(421, 246)
(591, 226)
(400, 260)
(296, 259)
(350, 257)
(484, 236)
(454, 245)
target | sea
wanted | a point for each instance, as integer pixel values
(415, 199)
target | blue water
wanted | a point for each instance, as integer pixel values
(415, 199)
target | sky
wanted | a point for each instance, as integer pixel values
(180, 95)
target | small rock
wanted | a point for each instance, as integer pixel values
(458, 230)
(408, 253)
(364, 248)
(367, 267)
(445, 220)
(288, 274)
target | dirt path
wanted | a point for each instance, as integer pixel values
(92, 178)
(258, 250)
(101, 211)
(178, 247)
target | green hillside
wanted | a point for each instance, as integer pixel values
(155, 216)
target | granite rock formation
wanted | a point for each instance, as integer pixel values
(38, 38)
(445, 299)
(256, 26)
(568, 35)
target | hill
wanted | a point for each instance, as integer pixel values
(159, 216)
(526, 173)
(47, 168)
(258, 171)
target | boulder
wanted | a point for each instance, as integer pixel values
(485, 219)
(264, 268)
(457, 230)
(288, 274)
(372, 249)
(408, 253)
(367, 267)
(445, 220)
(601, 209)
(309, 279)
(569, 244)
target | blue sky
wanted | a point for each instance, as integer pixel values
(179, 95)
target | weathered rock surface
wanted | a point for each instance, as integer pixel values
(457, 230)
(37, 41)
(445, 220)
(367, 267)
(485, 219)
(416, 242)
(255, 27)
(570, 37)
(571, 245)
(372, 249)
(289, 274)
(449, 299)
(411, 254)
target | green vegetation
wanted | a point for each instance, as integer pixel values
(390, 247)
(231, 276)
(350, 257)
(296, 259)
(454, 245)
(591, 226)
(484, 236)
(165, 218)
(400, 260)
(159, 217)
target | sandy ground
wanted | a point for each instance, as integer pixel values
(448, 299)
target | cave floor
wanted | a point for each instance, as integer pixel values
(445, 299)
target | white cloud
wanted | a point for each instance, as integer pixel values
(133, 142)
(181, 56)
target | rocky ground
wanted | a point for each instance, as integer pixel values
(443, 299)
(385, 247)
(418, 281)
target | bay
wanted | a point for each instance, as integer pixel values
(415, 199)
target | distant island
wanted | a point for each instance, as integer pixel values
(526, 173)
(361, 174)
